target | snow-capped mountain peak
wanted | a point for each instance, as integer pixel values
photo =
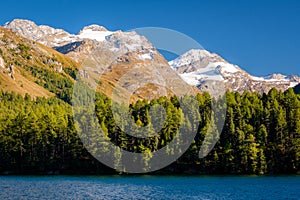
(90, 37)
(198, 67)
(195, 56)
(44, 34)
(94, 32)
(55, 37)
(113, 55)
(52, 37)
(94, 27)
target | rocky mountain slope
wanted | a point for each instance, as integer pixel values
(199, 67)
(125, 64)
(43, 34)
(29, 67)
(118, 63)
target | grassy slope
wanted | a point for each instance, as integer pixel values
(42, 71)
(37, 69)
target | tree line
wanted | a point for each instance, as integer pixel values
(261, 133)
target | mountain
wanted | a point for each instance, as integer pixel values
(199, 67)
(125, 62)
(30, 67)
(127, 65)
(43, 34)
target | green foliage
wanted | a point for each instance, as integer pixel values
(261, 132)
(53, 81)
(72, 72)
(23, 48)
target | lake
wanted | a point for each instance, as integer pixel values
(149, 187)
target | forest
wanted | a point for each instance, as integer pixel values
(261, 134)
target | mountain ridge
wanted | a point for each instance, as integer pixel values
(198, 67)
(118, 49)
(112, 55)
(32, 68)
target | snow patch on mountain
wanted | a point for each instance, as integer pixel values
(279, 78)
(226, 67)
(195, 79)
(117, 41)
(196, 67)
(192, 56)
(145, 56)
(293, 84)
(94, 35)
(56, 37)
(94, 32)
(44, 34)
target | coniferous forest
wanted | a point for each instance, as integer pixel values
(261, 134)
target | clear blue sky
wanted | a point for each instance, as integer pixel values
(262, 37)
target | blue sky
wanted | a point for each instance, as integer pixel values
(262, 37)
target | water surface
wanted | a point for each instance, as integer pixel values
(149, 187)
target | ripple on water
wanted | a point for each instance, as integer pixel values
(149, 187)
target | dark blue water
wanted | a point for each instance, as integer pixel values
(149, 187)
